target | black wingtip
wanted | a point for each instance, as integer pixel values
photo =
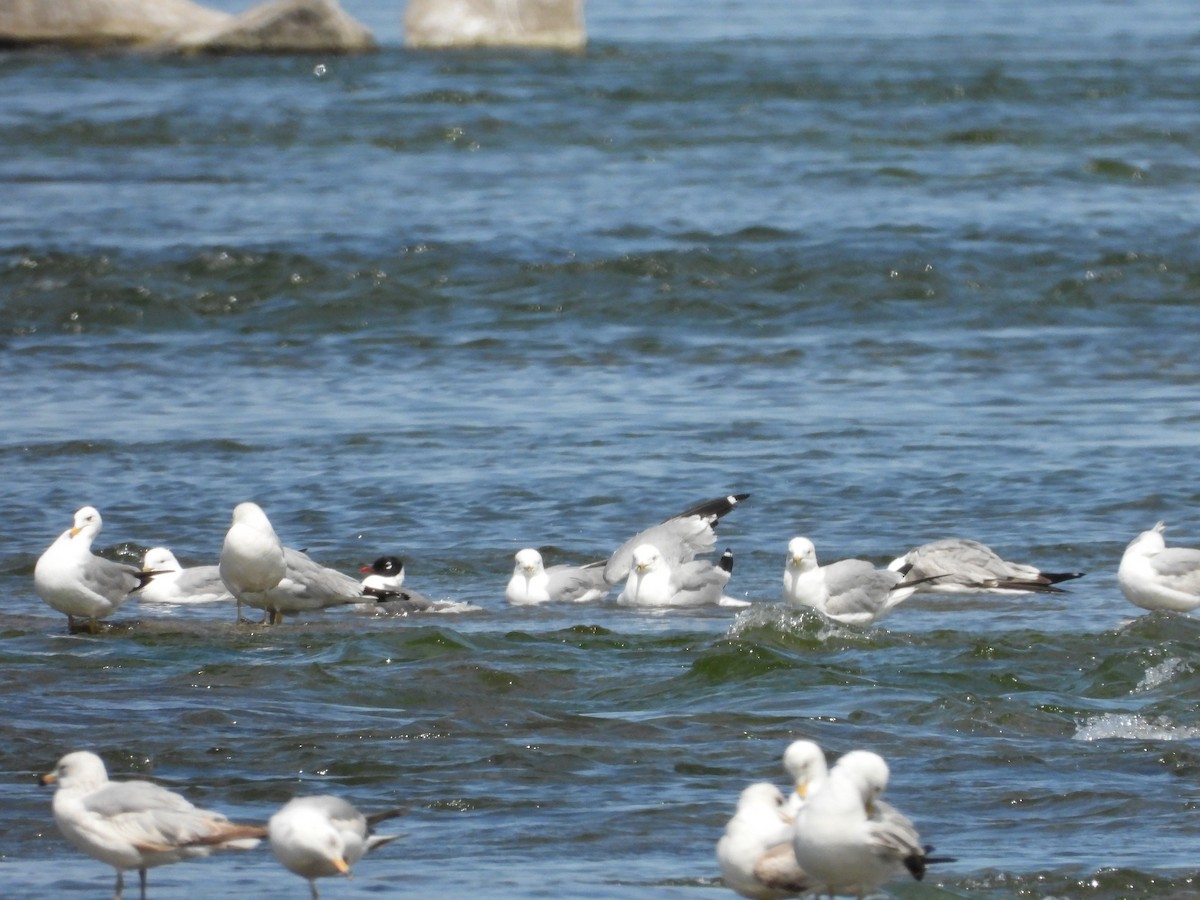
(915, 863)
(725, 563)
(376, 818)
(714, 509)
(1056, 577)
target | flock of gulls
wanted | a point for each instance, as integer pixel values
(833, 834)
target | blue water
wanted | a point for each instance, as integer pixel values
(901, 274)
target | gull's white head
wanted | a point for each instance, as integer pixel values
(801, 555)
(87, 522)
(868, 772)
(804, 761)
(758, 797)
(528, 561)
(160, 559)
(1149, 542)
(646, 558)
(80, 769)
(251, 515)
(306, 841)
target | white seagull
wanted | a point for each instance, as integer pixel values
(73, 580)
(755, 852)
(533, 583)
(804, 761)
(324, 835)
(656, 581)
(1154, 576)
(679, 539)
(851, 590)
(260, 572)
(959, 566)
(847, 840)
(135, 824)
(173, 583)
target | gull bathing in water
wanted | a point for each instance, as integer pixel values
(1154, 576)
(385, 584)
(174, 584)
(755, 852)
(847, 839)
(655, 581)
(324, 835)
(851, 590)
(533, 583)
(135, 824)
(958, 566)
(73, 580)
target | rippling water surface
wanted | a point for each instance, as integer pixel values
(900, 274)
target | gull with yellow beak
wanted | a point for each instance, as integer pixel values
(804, 761)
(73, 580)
(319, 836)
(135, 824)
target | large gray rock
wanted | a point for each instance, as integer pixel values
(278, 26)
(555, 24)
(286, 26)
(103, 23)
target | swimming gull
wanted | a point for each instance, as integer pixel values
(847, 840)
(656, 582)
(385, 583)
(755, 852)
(679, 539)
(73, 580)
(850, 590)
(324, 835)
(175, 584)
(533, 583)
(135, 824)
(260, 572)
(1154, 576)
(960, 566)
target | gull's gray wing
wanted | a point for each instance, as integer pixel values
(857, 588)
(679, 539)
(309, 581)
(958, 561)
(576, 583)
(1178, 568)
(202, 581)
(111, 579)
(698, 582)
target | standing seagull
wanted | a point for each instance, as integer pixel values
(135, 824)
(851, 590)
(847, 840)
(324, 835)
(73, 580)
(755, 852)
(533, 583)
(260, 572)
(959, 566)
(1154, 576)
(175, 584)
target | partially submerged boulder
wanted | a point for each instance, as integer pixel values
(278, 26)
(103, 23)
(552, 24)
(286, 26)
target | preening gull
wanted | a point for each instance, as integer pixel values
(135, 824)
(655, 581)
(385, 584)
(959, 566)
(755, 852)
(73, 580)
(173, 583)
(678, 539)
(804, 761)
(847, 839)
(851, 590)
(324, 835)
(260, 572)
(533, 583)
(1154, 576)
